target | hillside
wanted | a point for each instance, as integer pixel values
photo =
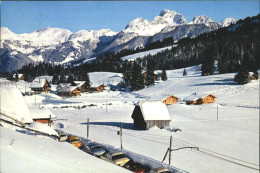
(228, 141)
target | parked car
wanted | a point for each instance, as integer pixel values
(95, 149)
(160, 170)
(75, 141)
(117, 158)
(136, 167)
(62, 136)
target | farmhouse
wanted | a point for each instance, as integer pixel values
(199, 99)
(66, 90)
(149, 113)
(170, 100)
(40, 85)
(41, 115)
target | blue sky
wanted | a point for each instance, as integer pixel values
(27, 16)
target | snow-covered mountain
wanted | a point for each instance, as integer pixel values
(228, 21)
(58, 45)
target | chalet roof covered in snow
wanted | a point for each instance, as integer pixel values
(40, 113)
(154, 110)
(66, 87)
(79, 83)
(19, 75)
(13, 105)
(37, 83)
(48, 78)
(196, 96)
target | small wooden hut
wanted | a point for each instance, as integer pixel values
(170, 100)
(149, 113)
(41, 115)
(200, 99)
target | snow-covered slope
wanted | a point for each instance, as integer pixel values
(226, 132)
(145, 53)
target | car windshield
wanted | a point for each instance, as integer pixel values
(119, 156)
(62, 135)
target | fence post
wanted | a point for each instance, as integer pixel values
(121, 135)
(170, 151)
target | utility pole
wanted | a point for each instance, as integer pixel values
(121, 135)
(170, 150)
(88, 128)
(49, 123)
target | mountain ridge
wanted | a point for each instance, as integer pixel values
(59, 46)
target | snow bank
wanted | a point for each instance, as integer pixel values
(12, 104)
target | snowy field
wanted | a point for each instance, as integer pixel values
(226, 132)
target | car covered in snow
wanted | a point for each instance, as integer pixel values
(95, 149)
(62, 136)
(75, 141)
(117, 158)
(160, 170)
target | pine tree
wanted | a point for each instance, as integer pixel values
(184, 72)
(137, 79)
(242, 77)
(150, 73)
(16, 77)
(55, 79)
(164, 75)
(208, 63)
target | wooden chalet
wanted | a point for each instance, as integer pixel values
(200, 99)
(171, 100)
(41, 115)
(99, 88)
(149, 113)
(20, 76)
(66, 90)
(157, 75)
(252, 76)
(40, 85)
(82, 85)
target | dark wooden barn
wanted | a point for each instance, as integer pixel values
(149, 113)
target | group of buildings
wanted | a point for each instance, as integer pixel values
(149, 113)
(42, 84)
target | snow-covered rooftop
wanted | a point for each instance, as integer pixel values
(79, 83)
(154, 110)
(48, 78)
(66, 87)
(39, 113)
(13, 105)
(37, 83)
